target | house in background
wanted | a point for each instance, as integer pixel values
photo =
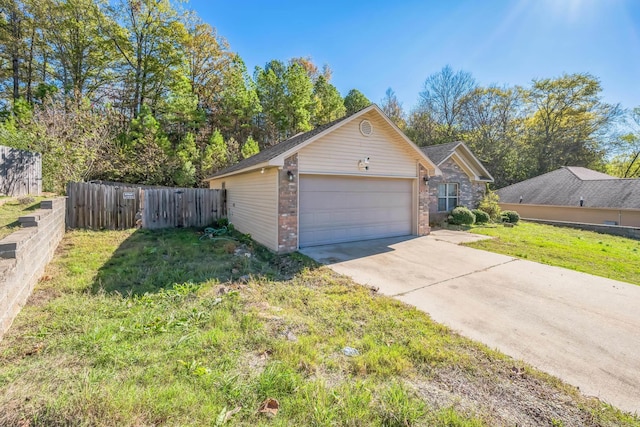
(356, 178)
(576, 195)
(463, 181)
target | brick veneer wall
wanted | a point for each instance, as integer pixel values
(24, 255)
(423, 204)
(469, 193)
(288, 206)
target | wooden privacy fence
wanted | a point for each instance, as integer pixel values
(97, 206)
(20, 172)
(100, 206)
(181, 207)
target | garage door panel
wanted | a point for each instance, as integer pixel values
(341, 209)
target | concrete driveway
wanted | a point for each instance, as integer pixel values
(581, 328)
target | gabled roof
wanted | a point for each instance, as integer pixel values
(565, 186)
(442, 152)
(275, 155)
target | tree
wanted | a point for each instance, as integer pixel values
(393, 108)
(207, 59)
(238, 105)
(143, 155)
(441, 101)
(20, 41)
(423, 129)
(81, 51)
(625, 149)
(312, 69)
(72, 140)
(355, 101)
(188, 156)
(216, 154)
(567, 122)
(249, 148)
(492, 126)
(328, 104)
(285, 94)
(149, 37)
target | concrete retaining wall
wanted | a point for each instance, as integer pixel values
(24, 255)
(616, 230)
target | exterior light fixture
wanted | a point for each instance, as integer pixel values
(426, 178)
(290, 175)
(520, 199)
(581, 201)
(262, 170)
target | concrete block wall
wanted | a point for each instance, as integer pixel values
(24, 255)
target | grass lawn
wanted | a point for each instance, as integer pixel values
(11, 210)
(160, 328)
(599, 254)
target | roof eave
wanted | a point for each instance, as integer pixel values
(279, 159)
(239, 171)
(478, 164)
(431, 167)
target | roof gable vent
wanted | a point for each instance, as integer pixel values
(366, 128)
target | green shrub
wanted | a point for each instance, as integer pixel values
(510, 216)
(462, 216)
(481, 216)
(489, 204)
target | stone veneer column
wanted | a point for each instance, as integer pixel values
(288, 206)
(423, 204)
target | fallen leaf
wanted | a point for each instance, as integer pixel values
(231, 413)
(270, 407)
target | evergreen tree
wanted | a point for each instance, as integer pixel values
(249, 148)
(355, 101)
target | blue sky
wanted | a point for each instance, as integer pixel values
(373, 45)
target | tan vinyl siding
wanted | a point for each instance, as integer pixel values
(623, 217)
(252, 204)
(339, 151)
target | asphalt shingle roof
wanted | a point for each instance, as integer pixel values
(281, 147)
(438, 153)
(565, 186)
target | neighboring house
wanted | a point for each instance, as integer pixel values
(356, 178)
(575, 194)
(463, 181)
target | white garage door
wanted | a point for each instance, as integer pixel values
(341, 209)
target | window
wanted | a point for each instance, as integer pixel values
(447, 197)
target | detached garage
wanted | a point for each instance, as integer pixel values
(356, 178)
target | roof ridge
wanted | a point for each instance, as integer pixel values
(274, 150)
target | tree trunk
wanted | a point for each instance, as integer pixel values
(30, 67)
(15, 52)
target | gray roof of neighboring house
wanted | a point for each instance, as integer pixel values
(565, 186)
(279, 148)
(438, 153)
(588, 174)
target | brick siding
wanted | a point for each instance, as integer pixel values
(288, 206)
(423, 204)
(469, 193)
